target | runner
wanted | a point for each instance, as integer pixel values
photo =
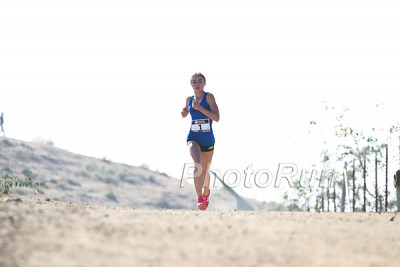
(203, 110)
(1, 124)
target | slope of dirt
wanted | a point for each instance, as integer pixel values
(80, 179)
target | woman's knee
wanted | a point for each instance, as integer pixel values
(198, 160)
(205, 167)
(195, 152)
(198, 170)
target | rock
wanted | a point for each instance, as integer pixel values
(10, 200)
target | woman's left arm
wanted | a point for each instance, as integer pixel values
(214, 113)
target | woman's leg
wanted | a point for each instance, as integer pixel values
(206, 158)
(195, 152)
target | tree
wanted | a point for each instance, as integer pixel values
(344, 141)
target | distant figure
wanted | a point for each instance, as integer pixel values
(397, 179)
(1, 124)
(397, 185)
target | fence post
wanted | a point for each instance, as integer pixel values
(322, 200)
(345, 191)
(376, 181)
(354, 185)
(327, 197)
(334, 198)
(386, 181)
(397, 185)
(365, 181)
(398, 198)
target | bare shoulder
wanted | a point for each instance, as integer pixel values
(210, 98)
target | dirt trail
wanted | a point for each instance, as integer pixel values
(35, 232)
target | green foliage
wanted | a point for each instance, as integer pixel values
(289, 203)
(153, 180)
(303, 195)
(6, 168)
(53, 181)
(122, 174)
(6, 142)
(29, 173)
(351, 144)
(91, 167)
(8, 181)
(106, 176)
(82, 173)
(73, 183)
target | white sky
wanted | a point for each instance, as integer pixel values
(109, 78)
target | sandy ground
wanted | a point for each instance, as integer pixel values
(36, 232)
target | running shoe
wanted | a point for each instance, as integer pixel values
(201, 205)
(206, 198)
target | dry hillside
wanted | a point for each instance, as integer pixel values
(80, 179)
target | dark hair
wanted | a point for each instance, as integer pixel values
(199, 74)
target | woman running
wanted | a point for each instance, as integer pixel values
(200, 141)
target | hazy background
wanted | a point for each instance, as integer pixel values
(109, 78)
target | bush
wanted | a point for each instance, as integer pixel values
(112, 197)
(91, 167)
(8, 181)
(73, 183)
(6, 142)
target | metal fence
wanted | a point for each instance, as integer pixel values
(367, 185)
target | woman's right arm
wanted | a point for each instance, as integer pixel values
(185, 110)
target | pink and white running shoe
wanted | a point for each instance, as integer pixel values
(206, 199)
(201, 205)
